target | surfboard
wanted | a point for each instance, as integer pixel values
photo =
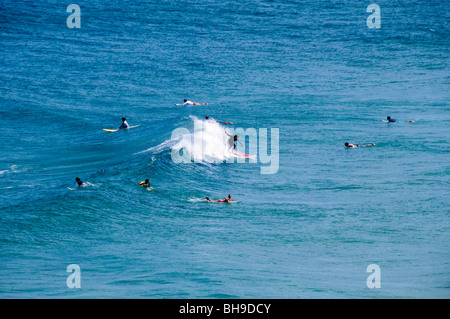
(147, 187)
(191, 104)
(396, 121)
(243, 155)
(72, 189)
(106, 130)
(233, 201)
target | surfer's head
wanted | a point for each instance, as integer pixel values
(147, 181)
(346, 144)
(185, 100)
(124, 119)
(229, 196)
(77, 179)
(388, 118)
(236, 137)
(207, 117)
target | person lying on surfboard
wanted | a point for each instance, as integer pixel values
(395, 121)
(225, 200)
(210, 118)
(124, 124)
(79, 182)
(233, 140)
(353, 145)
(145, 184)
(187, 102)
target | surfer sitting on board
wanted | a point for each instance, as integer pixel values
(187, 102)
(232, 141)
(210, 118)
(124, 124)
(395, 121)
(353, 145)
(79, 182)
(225, 200)
(145, 184)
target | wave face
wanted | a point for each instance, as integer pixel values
(208, 143)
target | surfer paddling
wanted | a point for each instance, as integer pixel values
(211, 119)
(395, 121)
(187, 102)
(145, 184)
(353, 145)
(225, 200)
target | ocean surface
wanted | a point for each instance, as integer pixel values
(310, 215)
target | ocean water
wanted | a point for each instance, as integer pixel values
(313, 71)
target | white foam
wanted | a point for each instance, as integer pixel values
(12, 169)
(164, 145)
(208, 142)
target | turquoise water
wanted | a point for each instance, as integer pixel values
(311, 69)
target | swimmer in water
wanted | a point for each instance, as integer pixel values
(79, 182)
(210, 118)
(225, 200)
(145, 184)
(395, 121)
(353, 145)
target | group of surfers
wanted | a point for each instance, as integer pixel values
(389, 119)
(232, 142)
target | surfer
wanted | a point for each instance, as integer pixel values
(395, 121)
(225, 200)
(187, 102)
(145, 184)
(353, 145)
(79, 182)
(233, 140)
(124, 124)
(210, 118)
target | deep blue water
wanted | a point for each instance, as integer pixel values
(311, 69)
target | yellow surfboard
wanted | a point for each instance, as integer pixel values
(106, 130)
(147, 187)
